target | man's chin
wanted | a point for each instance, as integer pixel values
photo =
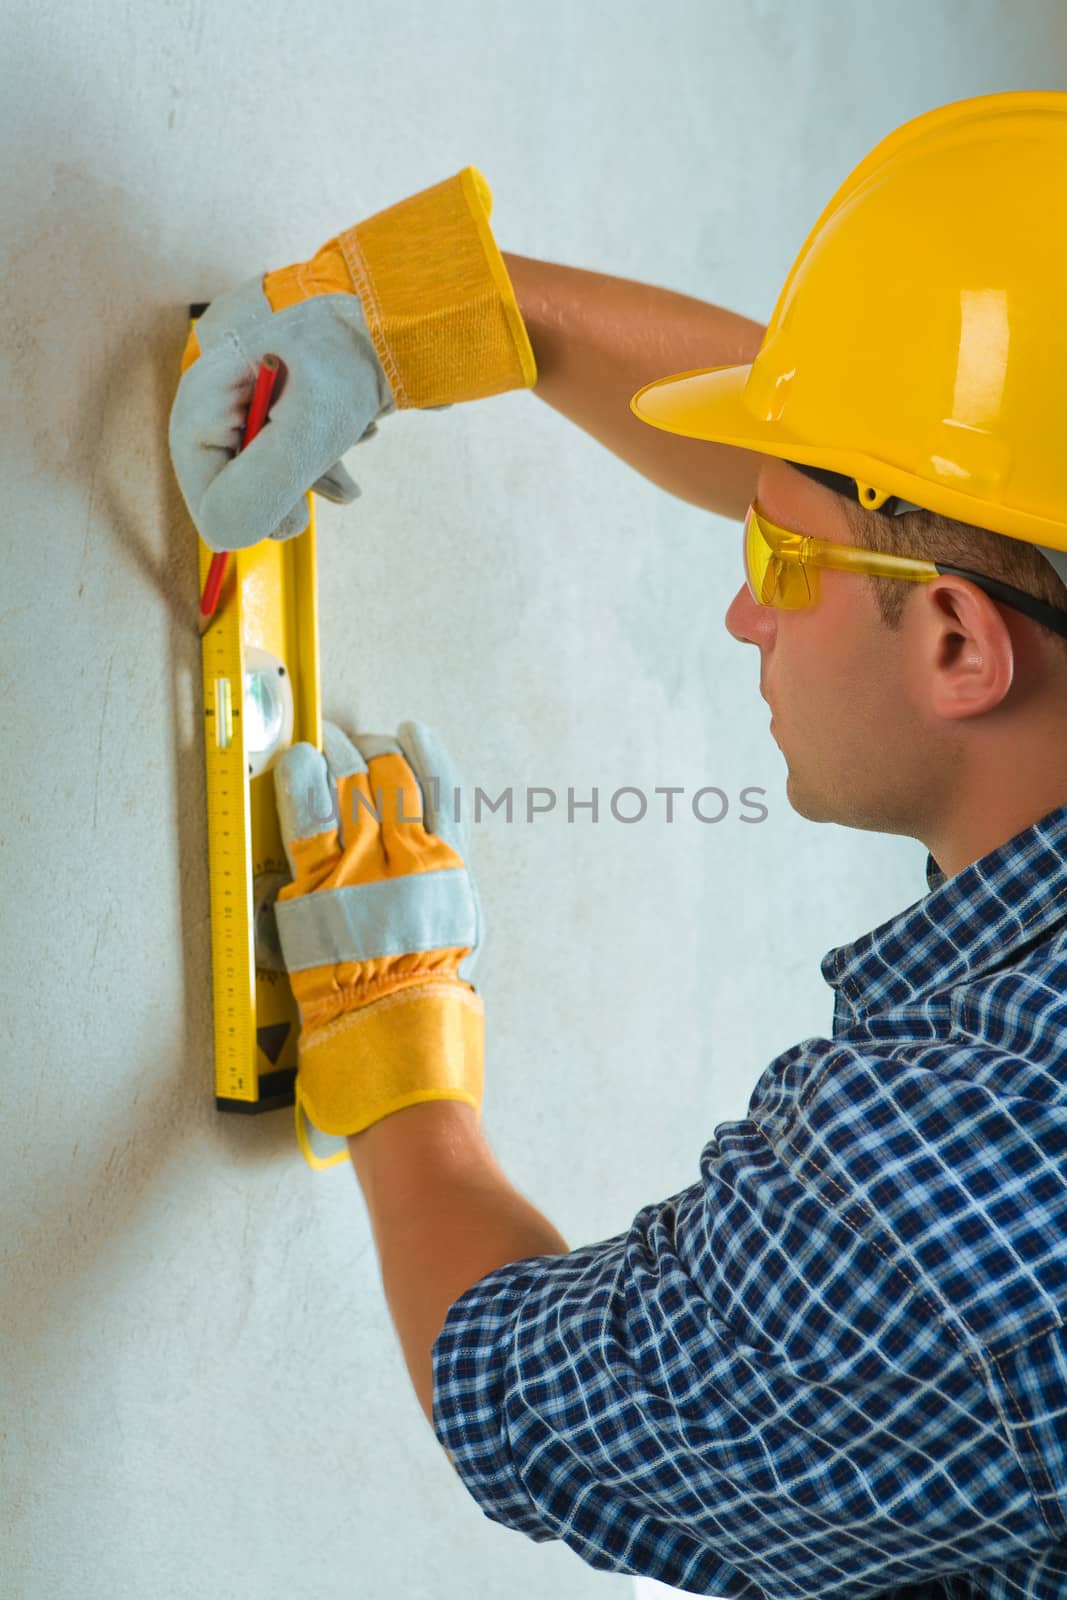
(806, 804)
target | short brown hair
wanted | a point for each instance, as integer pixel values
(931, 537)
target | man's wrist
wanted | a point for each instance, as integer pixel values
(444, 1135)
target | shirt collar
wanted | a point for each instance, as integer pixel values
(964, 924)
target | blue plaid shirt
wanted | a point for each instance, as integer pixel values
(836, 1365)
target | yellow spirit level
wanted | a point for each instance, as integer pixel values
(260, 660)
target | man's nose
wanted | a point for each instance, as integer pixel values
(748, 622)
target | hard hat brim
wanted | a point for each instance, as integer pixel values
(708, 403)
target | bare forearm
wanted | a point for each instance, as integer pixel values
(597, 339)
(443, 1215)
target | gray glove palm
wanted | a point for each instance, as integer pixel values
(330, 393)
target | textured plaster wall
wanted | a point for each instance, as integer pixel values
(201, 1394)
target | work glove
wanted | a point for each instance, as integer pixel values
(413, 308)
(380, 927)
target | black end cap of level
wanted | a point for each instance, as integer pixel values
(276, 1091)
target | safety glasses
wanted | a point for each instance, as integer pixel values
(782, 570)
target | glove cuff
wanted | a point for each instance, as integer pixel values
(437, 297)
(425, 1042)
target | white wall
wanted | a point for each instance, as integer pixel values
(202, 1393)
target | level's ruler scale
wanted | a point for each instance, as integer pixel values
(230, 846)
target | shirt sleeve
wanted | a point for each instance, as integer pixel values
(750, 1391)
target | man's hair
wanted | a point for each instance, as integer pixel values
(931, 537)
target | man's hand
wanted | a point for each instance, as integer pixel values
(411, 308)
(330, 392)
(379, 928)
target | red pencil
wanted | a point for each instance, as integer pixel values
(257, 413)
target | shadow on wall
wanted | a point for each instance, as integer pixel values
(95, 367)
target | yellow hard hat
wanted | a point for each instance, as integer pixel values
(918, 350)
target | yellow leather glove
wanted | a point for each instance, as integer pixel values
(379, 928)
(411, 308)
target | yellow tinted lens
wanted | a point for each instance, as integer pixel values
(760, 567)
(775, 580)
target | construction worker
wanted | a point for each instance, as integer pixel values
(837, 1363)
